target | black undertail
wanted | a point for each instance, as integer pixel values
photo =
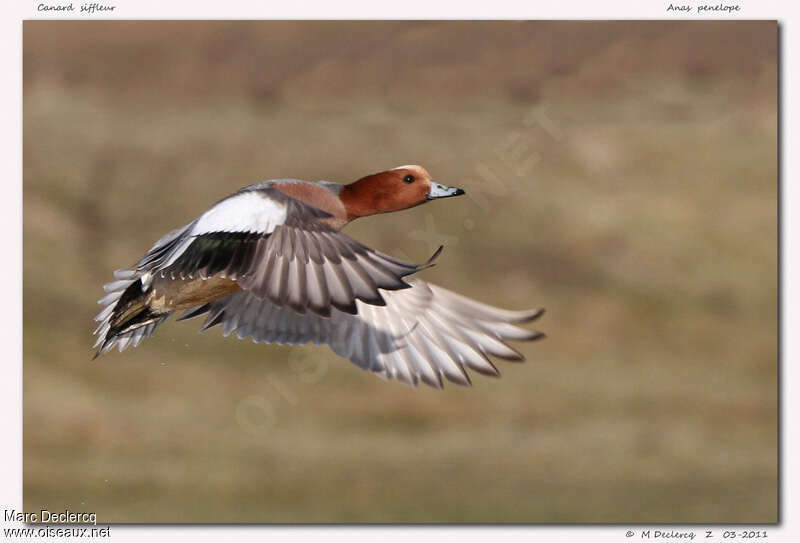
(130, 312)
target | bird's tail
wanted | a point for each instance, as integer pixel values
(127, 318)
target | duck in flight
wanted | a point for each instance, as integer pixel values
(269, 262)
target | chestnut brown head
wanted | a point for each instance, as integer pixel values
(393, 190)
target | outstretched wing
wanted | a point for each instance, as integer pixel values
(424, 333)
(277, 249)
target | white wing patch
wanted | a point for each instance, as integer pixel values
(249, 211)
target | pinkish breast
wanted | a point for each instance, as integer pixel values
(317, 196)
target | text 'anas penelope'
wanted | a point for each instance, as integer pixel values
(270, 262)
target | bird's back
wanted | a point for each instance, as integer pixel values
(321, 195)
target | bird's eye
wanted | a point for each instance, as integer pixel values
(408, 179)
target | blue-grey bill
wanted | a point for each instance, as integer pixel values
(443, 191)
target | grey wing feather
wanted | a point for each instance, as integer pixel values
(424, 333)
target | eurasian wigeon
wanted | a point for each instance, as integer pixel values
(270, 262)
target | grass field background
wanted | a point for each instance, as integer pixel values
(621, 174)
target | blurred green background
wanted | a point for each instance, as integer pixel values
(621, 174)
